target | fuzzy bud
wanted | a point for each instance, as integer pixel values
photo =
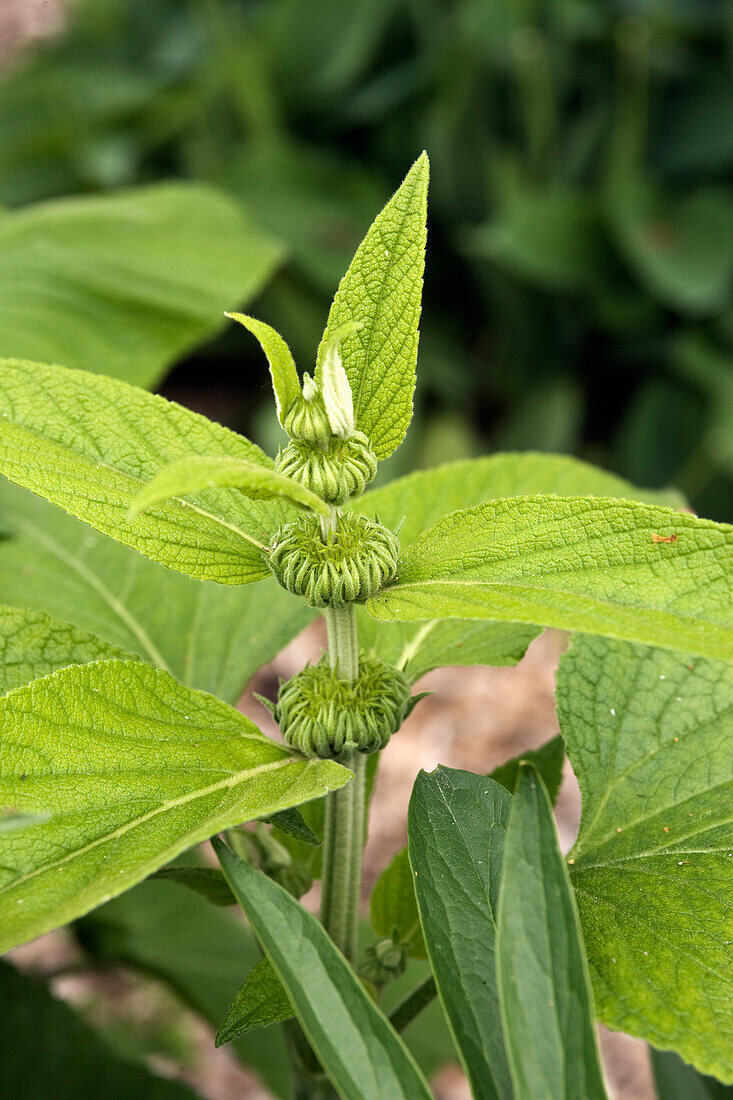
(382, 962)
(306, 419)
(354, 562)
(337, 474)
(320, 715)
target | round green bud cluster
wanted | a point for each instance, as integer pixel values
(320, 715)
(383, 962)
(337, 474)
(306, 419)
(354, 562)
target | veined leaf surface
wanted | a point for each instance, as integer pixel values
(132, 768)
(649, 735)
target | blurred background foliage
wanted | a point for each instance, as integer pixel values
(578, 291)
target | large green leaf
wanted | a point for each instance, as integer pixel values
(89, 444)
(132, 768)
(199, 950)
(544, 985)
(455, 826)
(393, 906)
(48, 1051)
(32, 645)
(210, 636)
(124, 284)
(601, 565)
(649, 735)
(414, 503)
(359, 1050)
(382, 290)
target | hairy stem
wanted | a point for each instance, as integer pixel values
(413, 1004)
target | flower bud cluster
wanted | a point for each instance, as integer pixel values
(353, 562)
(337, 474)
(383, 961)
(307, 420)
(321, 715)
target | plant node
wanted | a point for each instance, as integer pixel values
(337, 474)
(320, 715)
(351, 562)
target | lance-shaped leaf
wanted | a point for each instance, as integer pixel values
(260, 1001)
(548, 759)
(283, 371)
(336, 390)
(605, 566)
(132, 768)
(383, 290)
(89, 444)
(649, 735)
(124, 284)
(455, 826)
(393, 905)
(414, 503)
(48, 1050)
(544, 985)
(33, 645)
(210, 636)
(190, 475)
(362, 1054)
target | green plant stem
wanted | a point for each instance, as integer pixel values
(343, 644)
(406, 1011)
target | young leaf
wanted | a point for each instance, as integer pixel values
(382, 290)
(675, 1080)
(359, 1050)
(544, 985)
(260, 1001)
(649, 733)
(414, 503)
(294, 824)
(605, 566)
(186, 476)
(206, 881)
(209, 636)
(283, 371)
(126, 283)
(455, 827)
(548, 759)
(48, 1051)
(393, 905)
(32, 645)
(336, 391)
(132, 769)
(89, 444)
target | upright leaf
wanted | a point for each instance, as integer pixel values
(382, 290)
(544, 985)
(33, 645)
(49, 1051)
(547, 759)
(126, 283)
(455, 826)
(414, 503)
(606, 566)
(132, 768)
(89, 444)
(210, 636)
(359, 1050)
(649, 736)
(283, 371)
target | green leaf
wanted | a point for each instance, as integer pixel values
(359, 1050)
(206, 881)
(548, 759)
(675, 1080)
(32, 645)
(606, 566)
(455, 827)
(193, 474)
(382, 290)
(283, 371)
(412, 504)
(132, 768)
(393, 905)
(294, 824)
(197, 949)
(210, 636)
(260, 1001)
(544, 985)
(89, 444)
(648, 733)
(48, 1051)
(126, 283)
